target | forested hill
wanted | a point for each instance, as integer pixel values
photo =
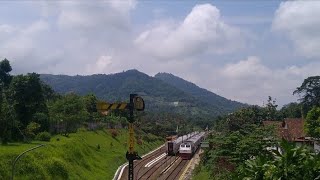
(200, 93)
(159, 95)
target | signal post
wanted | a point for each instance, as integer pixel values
(136, 103)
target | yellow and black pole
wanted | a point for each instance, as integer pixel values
(136, 103)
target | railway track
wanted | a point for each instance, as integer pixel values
(141, 163)
(177, 170)
(154, 170)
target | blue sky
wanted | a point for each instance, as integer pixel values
(242, 50)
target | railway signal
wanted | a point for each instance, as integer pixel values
(136, 103)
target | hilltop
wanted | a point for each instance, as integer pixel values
(162, 93)
(200, 93)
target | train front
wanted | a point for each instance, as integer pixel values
(185, 150)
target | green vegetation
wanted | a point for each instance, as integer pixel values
(241, 148)
(294, 163)
(73, 157)
(310, 93)
(313, 122)
(30, 110)
(220, 103)
(159, 93)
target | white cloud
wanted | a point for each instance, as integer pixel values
(245, 69)
(202, 31)
(5, 28)
(85, 15)
(21, 42)
(300, 22)
(84, 38)
(100, 65)
(251, 81)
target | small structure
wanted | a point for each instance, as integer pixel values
(292, 130)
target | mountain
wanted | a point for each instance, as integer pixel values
(200, 93)
(159, 95)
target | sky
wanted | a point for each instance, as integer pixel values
(241, 50)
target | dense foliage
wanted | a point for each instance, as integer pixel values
(161, 95)
(309, 92)
(313, 122)
(241, 148)
(238, 137)
(291, 163)
(30, 109)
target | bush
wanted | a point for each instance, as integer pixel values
(43, 136)
(57, 169)
(32, 129)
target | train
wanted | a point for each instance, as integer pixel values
(190, 146)
(172, 146)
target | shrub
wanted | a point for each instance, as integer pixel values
(43, 136)
(57, 169)
(32, 129)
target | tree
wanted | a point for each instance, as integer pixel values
(271, 109)
(312, 123)
(309, 92)
(26, 94)
(5, 69)
(6, 116)
(246, 116)
(7, 121)
(90, 101)
(291, 110)
(68, 112)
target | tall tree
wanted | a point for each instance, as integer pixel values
(5, 69)
(26, 93)
(309, 92)
(271, 109)
(5, 118)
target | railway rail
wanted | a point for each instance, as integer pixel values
(140, 163)
(154, 171)
(161, 165)
(175, 170)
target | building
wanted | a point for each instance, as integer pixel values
(292, 130)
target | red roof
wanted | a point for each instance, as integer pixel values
(290, 129)
(294, 128)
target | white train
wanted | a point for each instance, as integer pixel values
(172, 146)
(189, 147)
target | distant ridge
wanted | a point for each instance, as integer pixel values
(200, 93)
(163, 93)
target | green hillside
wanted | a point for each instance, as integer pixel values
(159, 95)
(200, 93)
(73, 157)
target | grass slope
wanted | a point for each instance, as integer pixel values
(75, 157)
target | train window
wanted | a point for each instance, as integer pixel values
(188, 145)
